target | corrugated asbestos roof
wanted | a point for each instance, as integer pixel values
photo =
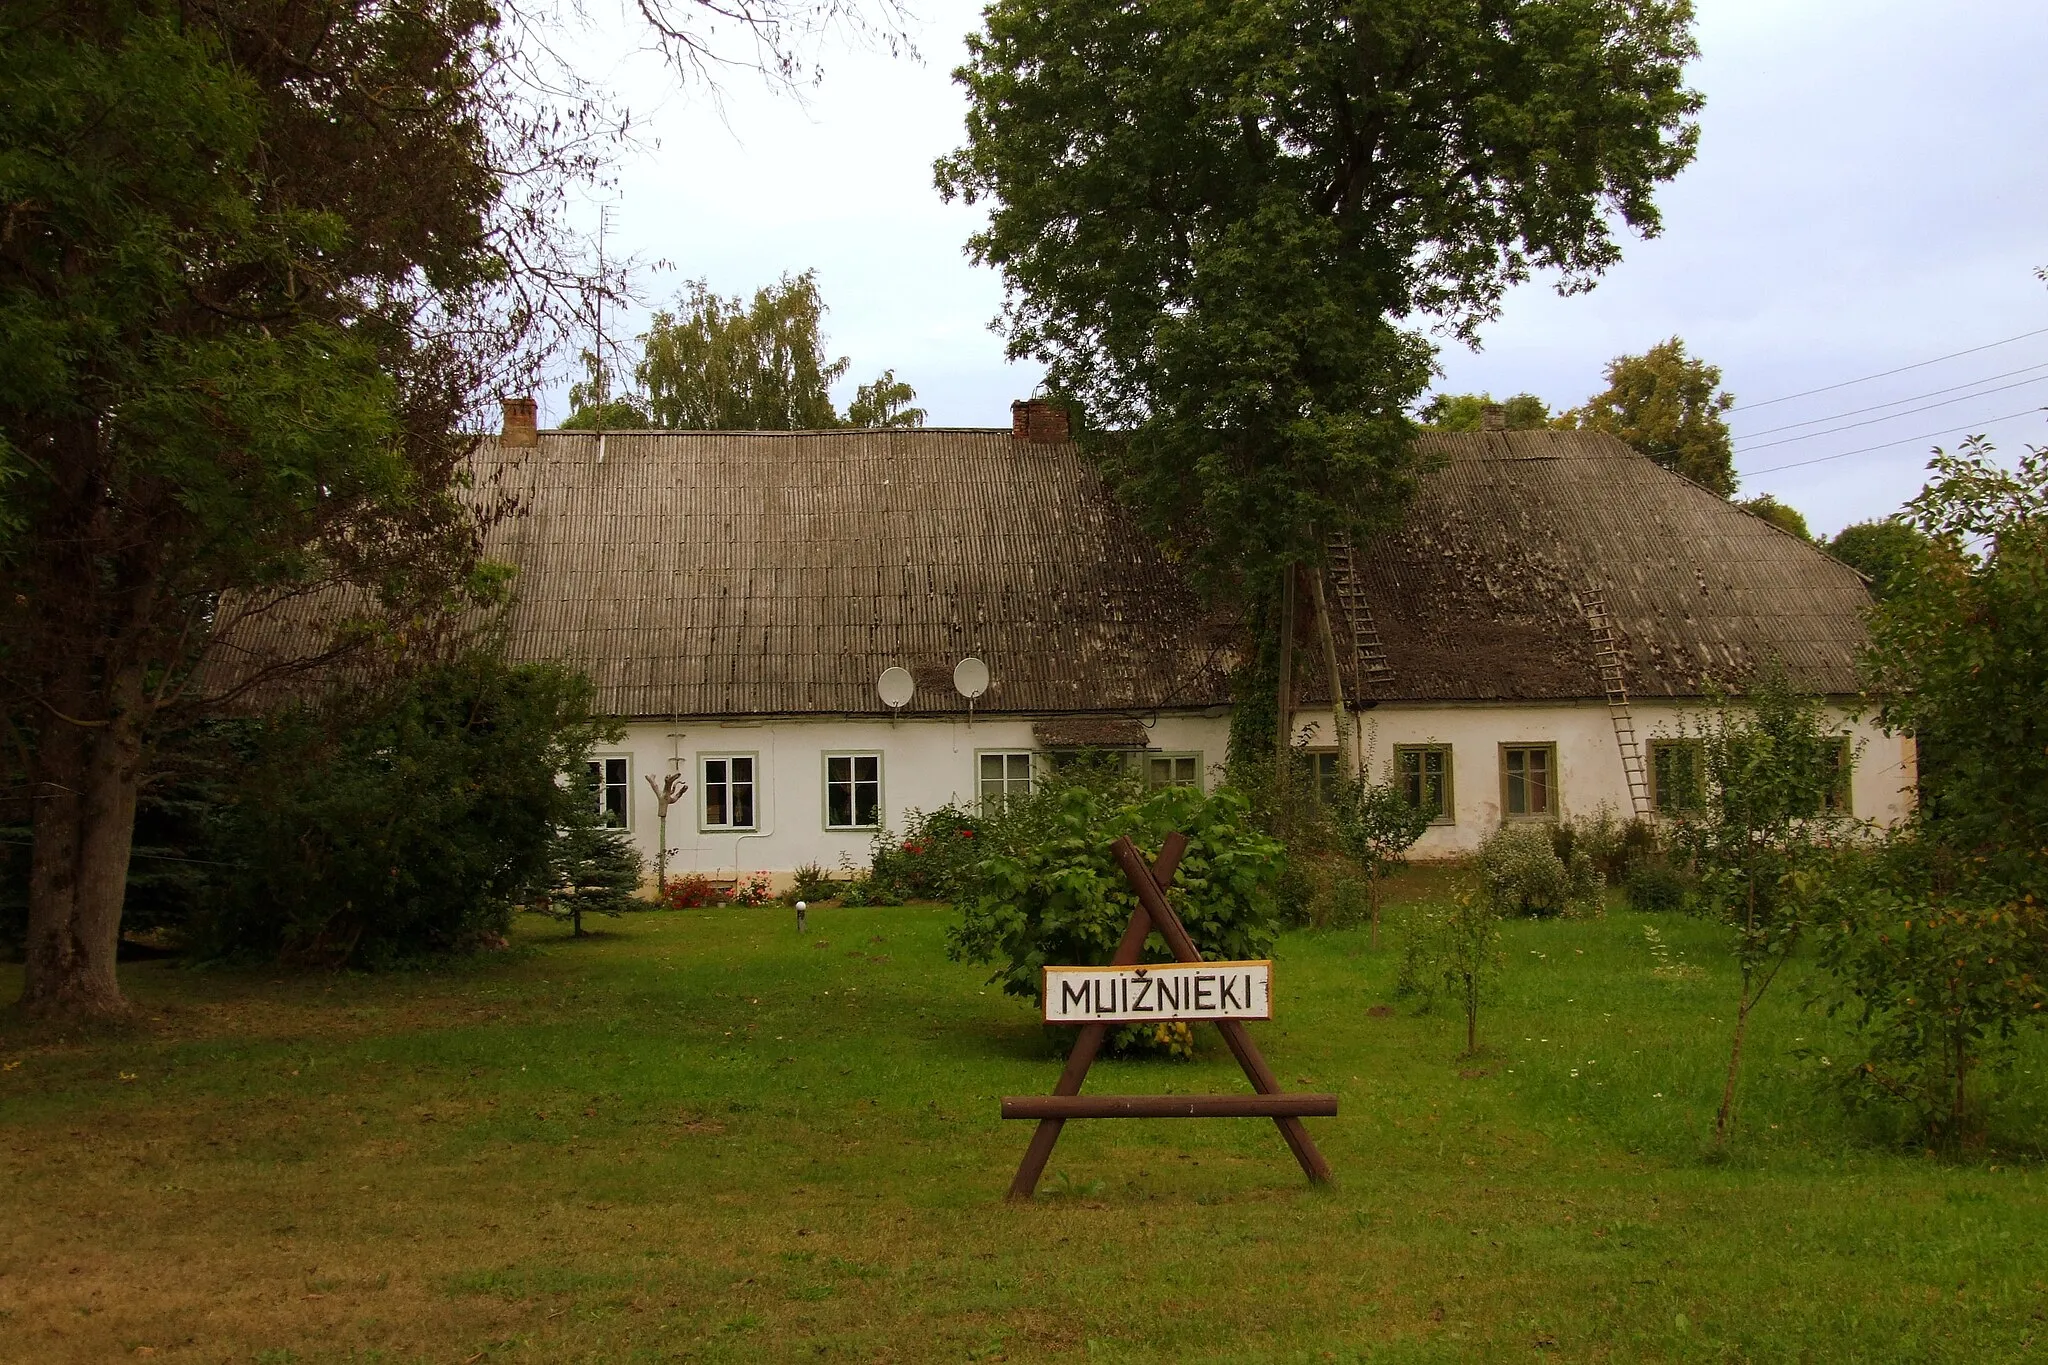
(778, 573)
(775, 573)
(1483, 593)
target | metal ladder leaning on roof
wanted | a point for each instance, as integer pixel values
(1614, 681)
(1368, 657)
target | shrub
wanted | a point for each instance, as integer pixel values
(1047, 890)
(813, 883)
(1616, 847)
(1525, 876)
(593, 868)
(752, 890)
(1657, 886)
(1375, 825)
(400, 822)
(928, 860)
(1453, 952)
(692, 892)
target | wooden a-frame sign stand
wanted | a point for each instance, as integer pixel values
(1066, 1101)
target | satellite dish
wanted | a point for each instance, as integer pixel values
(895, 687)
(970, 677)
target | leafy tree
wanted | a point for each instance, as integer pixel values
(1959, 654)
(1773, 770)
(593, 406)
(884, 403)
(1781, 515)
(1883, 551)
(593, 868)
(1467, 412)
(1214, 223)
(248, 291)
(1669, 406)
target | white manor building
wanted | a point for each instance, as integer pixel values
(1526, 647)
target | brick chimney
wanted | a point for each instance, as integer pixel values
(1034, 419)
(522, 423)
(1493, 417)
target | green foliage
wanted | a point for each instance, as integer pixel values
(1784, 516)
(1669, 406)
(1467, 412)
(1657, 886)
(1525, 874)
(726, 364)
(1375, 826)
(593, 868)
(407, 822)
(1214, 223)
(884, 403)
(1453, 953)
(1048, 893)
(1773, 766)
(813, 884)
(1882, 551)
(1959, 654)
(692, 891)
(929, 860)
(1939, 984)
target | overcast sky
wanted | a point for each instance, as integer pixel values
(1867, 197)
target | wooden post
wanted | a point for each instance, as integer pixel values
(1283, 725)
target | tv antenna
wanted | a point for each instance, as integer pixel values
(970, 680)
(895, 685)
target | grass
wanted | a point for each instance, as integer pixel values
(701, 1137)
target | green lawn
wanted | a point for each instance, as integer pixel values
(702, 1137)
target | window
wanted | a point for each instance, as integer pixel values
(609, 780)
(1173, 770)
(1326, 773)
(1528, 779)
(853, 791)
(729, 792)
(1841, 763)
(1424, 772)
(1002, 776)
(1677, 782)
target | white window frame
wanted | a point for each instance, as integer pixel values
(854, 782)
(1031, 773)
(602, 763)
(704, 785)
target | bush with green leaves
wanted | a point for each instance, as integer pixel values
(403, 822)
(1524, 875)
(1047, 891)
(927, 861)
(1657, 886)
(1375, 825)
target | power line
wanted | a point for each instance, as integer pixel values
(1883, 374)
(1892, 416)
(1914, 398)
(1903, 440)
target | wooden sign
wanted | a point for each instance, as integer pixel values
(1066, 1100)
(1158, 994)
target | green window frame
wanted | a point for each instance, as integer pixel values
(611, 780)
(729, 787)
(853, 790)
(1000, 774)
(1326, 774)
(1528, 781)
(1424, 772)
(1183, 769)
(1677, 775)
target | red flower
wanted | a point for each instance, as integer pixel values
(967, 834)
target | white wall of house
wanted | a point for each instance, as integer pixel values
(1588, 771)
(926, 762)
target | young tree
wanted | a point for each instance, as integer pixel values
(593, 867)
(248, 284)
(1774, 770)
(1669, 406)
(1467, 412)
(1454, 950)
(884, 403)
(1376, 825)
(1215, 222)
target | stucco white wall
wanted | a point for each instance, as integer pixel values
(1589, 772)
(927, 762)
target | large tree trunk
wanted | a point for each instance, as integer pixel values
(88, 773)
(1283, 723)
(1347, 756)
